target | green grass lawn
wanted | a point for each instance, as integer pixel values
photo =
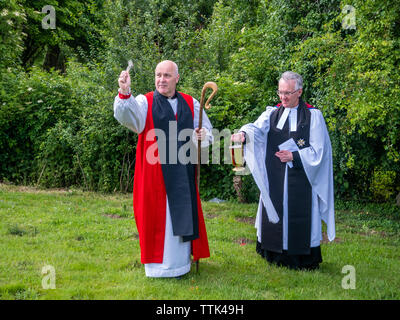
(91, 242)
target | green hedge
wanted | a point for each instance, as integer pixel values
(58, 130)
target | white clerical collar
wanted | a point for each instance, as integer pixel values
(292, 118)
(173, 97)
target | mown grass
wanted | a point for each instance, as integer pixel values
(91, 241)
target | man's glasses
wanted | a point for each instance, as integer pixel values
(285, 93)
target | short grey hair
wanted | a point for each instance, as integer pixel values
(175, 66)
(290, 75)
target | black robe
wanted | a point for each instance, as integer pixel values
(299, 254)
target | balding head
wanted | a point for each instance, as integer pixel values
(168, 64)
(166, 77)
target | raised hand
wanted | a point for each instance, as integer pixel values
(124, 82)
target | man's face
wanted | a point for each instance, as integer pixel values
(289, 97)
(166, 78)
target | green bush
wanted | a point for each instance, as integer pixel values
(383, 185)
(58, 130)
(62, 133)
(354, 79)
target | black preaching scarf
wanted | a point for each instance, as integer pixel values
(179, 178)
(299, 188)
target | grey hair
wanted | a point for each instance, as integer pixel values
(175, 66)
(290, 75)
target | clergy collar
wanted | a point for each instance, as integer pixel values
(296, 107)
(165, 97)
(292, 118)
(174, 96)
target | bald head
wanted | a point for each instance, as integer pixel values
(166, 78)
(168, 64)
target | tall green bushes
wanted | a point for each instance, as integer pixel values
(58, 129)
(356, 80)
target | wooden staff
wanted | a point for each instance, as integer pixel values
(214, 87)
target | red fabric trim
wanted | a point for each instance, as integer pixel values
(149, 198)
(200, 248)
(123, 96)
(309, 106)
(189, 101)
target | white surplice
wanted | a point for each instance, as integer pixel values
(317, 164)
(132, 113)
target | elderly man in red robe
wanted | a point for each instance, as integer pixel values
(166, 201)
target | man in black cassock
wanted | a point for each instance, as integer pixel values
(289, 154)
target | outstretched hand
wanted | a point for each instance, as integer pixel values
(124, 82)
(238, 137)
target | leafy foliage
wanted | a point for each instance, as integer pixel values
(57, 129)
